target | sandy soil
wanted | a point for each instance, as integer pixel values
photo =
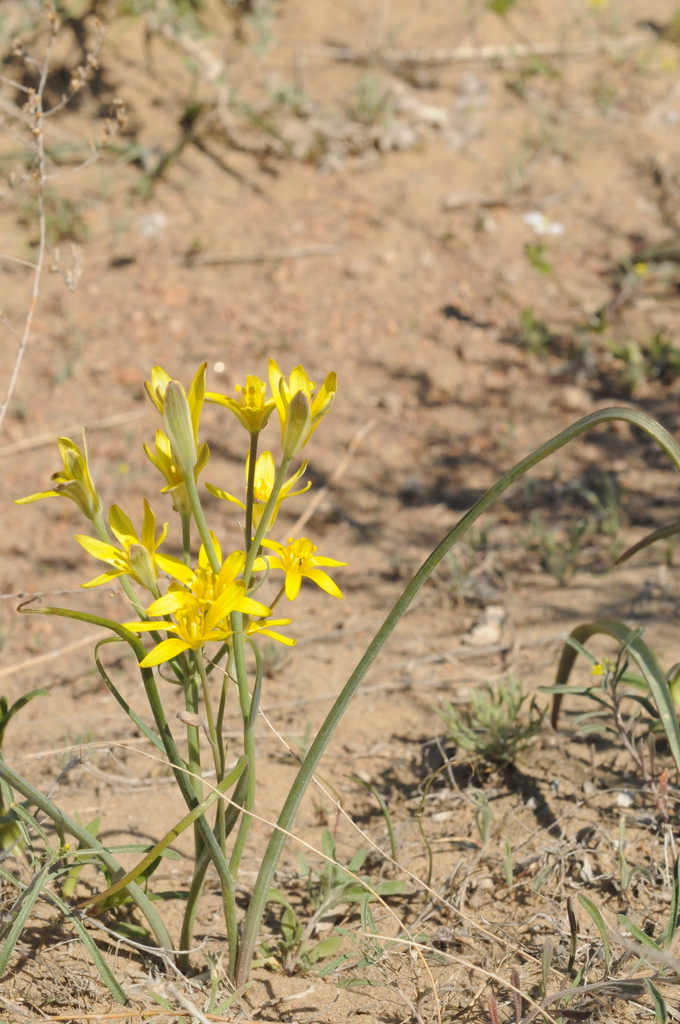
(420, 284)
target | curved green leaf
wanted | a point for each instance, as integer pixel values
(599, 923)
(149, 733)
(64, 823)
(648, 663)
(334, 716)
(174, 832)
(660, 1009)
(651, 538)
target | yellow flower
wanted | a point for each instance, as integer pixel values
(308, 409)
(163, 460)
(205, 585)
(263, 627)
(251, 408)
(139, 559)
(74, 481)
(265, 474)
(181, 413)
(198, 621)
(297, 559)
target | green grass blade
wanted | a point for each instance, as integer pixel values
(658, 1001)
(599, 923)
(21, 912)
(149, 733)
(92, 948)
(384, 809)
(651, 538)
(675, 906)
(309, 766)
(638, 934)
(648, 663)
(170, 836)
(66, 824)
(17, 706)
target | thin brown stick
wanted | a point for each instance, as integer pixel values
(270, 256)
(464, 54)
(129, 1014)
(35, 105)
(41, 439)
(30, 663)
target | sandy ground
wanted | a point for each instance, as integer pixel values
(396, 250)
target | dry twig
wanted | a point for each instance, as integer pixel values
(270, 256)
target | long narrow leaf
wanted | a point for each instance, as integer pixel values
(21, 913)
(306, 771)
(599, 923)
(641, 936)
(91, 946)
(100, 963)
(649, 666)
(660, 1010)
(651, 538)
(66, 824)
(149, 733)
(168, 838)
(675, 906)
(17, 706)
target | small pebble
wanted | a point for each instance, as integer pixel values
(625, 799)
(442, 816)
(589, 788)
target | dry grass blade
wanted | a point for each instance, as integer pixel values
(466, 54)
(270, 256)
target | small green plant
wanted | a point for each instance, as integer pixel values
(537, 255)
(614, 687)
(332, 886)
(493, 730)
(559, 552)
(10, 833)
(371, 101)
(533, 334)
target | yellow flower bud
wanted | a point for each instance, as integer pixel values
(298, 424)
(74, 481)
(179, 428)
(142, 566)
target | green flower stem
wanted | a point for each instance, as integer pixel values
(254, 548)
(179, 768)
(186, 538)
(203, 530)
(209, 714)
(250, 490)
(304, 776)
(249, 714)
(63, 823)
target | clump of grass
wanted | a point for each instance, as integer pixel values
(493, 729)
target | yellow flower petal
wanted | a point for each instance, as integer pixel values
(323, 580)
(121, 527)
(165, 651)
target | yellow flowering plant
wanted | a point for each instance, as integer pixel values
(200, 612)
(199, 620)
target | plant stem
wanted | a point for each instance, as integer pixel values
(186, 539)
(254, 548)
(306, 772)
(248, 741)
(250, 490)
(63, 823)
(203, 529)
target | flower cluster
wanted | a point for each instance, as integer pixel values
(210, 599)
